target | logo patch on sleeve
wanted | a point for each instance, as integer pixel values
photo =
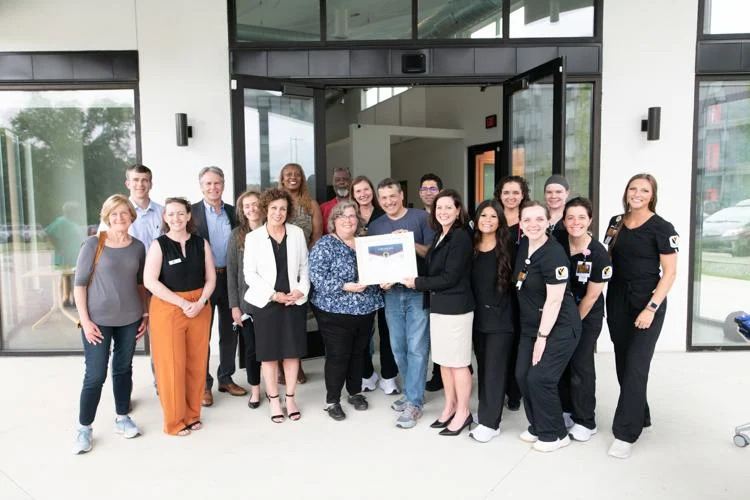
(607, 273)
(674, 241)
(562, 272)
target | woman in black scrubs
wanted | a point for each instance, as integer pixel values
(495, 323)
(550, 328)
(589, 270)
(640, 243)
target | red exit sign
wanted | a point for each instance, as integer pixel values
(490, 121)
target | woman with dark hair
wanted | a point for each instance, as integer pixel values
(550, 328)
(363, 192)
(344, 308)
(512, 191)
(494, 328)
(109, 270)
(181, 276)
(249, 218)
(451, 307)
(275, 269)
(644, 249)
(589, 270)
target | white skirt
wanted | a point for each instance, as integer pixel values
(450, 339)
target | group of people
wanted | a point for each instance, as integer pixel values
(520, 286)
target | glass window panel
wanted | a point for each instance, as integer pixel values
(368, 20)
(722, 234)
(551, 18)
(726, 16)
(445, 19)
(278, 130)
(277, 21)
(62, 153)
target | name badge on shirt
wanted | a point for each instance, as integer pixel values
(520, 279)
(583, 271)
(174, 261)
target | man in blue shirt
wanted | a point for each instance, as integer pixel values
(214, 221)
(405, 309)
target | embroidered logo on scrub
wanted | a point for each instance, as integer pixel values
(674, 241)
(561, 273)
(607, 273)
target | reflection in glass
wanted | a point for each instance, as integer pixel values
(551, 18)
(62, 153)
(447, 19)
(726, 16)
(278, 130)
(722, 211)
(368, 20)
(277, 21)
(531, 136)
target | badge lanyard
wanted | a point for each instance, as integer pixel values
(522, 275)
(612, 230)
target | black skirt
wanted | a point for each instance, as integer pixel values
(280, 331)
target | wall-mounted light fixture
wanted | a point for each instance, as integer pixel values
(184, 131)
(652, 125)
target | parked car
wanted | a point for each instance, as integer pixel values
(728, 230)
(35, 232)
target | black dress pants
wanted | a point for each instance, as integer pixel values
(252, 366)
(388, 367)
(541, 398)
(493, 354)
(578, 383)
(634, 349)
(227, 335)
(345, 337)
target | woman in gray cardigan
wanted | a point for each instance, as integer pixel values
(249, 217)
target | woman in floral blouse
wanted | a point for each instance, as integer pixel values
(344, 308)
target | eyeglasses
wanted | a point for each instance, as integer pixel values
(342, 216)
(428, 189)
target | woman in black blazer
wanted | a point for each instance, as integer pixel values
(451, 308)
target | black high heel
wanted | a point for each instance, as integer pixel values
(295, 415)
(437, 424)
(447, 432)
(276, 419)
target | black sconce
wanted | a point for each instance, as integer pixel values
(183, 129)
(653, 125)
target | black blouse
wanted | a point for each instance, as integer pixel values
(282, 271)
(495, 311)
(182, 273)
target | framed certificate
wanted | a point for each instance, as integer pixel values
(386, 258)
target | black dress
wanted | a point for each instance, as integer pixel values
(280, 331)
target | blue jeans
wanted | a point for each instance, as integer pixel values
(409, 326)
(97, 359)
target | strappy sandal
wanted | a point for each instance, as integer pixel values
(183, 432)
(295, 415)
(195, 426)
(276, 419)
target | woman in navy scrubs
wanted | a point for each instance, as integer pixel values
(589, 270)
(550, 328)
(495, 324)
(644, 249)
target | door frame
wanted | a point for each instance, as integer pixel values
(471, 152)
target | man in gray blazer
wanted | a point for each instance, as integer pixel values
(214, 221)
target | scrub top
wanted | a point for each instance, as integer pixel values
(593, 265)
(548, 265)
(495, 311)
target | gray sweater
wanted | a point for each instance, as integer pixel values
(235, 276)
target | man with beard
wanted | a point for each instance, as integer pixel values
(342, 182)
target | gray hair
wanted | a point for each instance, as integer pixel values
(337, 210)
(343, 169)
(211, 169)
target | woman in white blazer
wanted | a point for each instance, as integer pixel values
(275, 268)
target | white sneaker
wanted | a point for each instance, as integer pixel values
(548, 446)
(528, 437)
(568, 420)
(581, 433)
(620, 449)
(483, 433)
(388, 386)
(370, 384)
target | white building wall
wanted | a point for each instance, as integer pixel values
(649, 60)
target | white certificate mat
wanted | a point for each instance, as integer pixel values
(386, 258)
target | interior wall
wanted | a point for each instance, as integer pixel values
(655, 68)
(413, 158)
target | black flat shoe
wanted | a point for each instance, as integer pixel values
(335, 412)
(437, 424)
(467, 423)
(253, 404)
(434, 384)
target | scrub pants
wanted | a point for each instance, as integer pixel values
(493, 352)
(180, 350)
(634, 348)
(578, 383)
(541, 398)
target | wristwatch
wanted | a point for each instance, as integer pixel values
(653, 306)
(539, 334)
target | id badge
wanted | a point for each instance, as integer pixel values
(611, 232)
(583, 271)
(175, 261)
(520, 279)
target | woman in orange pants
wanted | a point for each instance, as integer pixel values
(180, 273)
